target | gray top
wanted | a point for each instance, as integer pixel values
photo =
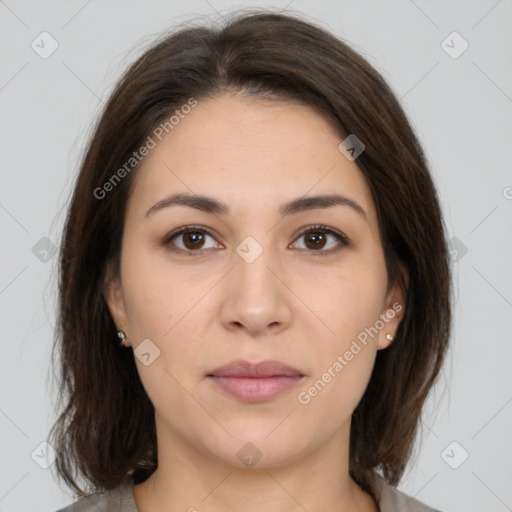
(121, 499)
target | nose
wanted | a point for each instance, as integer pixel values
(256, 298)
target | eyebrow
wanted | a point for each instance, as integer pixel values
(211, 205)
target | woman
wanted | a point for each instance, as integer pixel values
(254, 281)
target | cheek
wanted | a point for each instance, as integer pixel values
(343, 372)
(151, 311)
(347, 301)
(155, 295)
(165, 311)
(349, 306)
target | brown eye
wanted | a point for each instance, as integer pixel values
(316, 238)
(189, 240)
(193, 240)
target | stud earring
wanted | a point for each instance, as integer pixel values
(122, 336)
(389, 337)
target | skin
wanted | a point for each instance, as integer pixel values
(290, 304)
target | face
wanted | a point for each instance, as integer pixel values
(252, 280)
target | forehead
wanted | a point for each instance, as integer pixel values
(246, 150)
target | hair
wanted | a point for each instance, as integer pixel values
(105, 433)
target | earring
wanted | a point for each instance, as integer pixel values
(389, 337)
(122, 336)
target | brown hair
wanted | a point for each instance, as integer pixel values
(106, 430)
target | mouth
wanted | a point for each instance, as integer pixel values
(255, 382)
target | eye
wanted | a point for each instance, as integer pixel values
(316, 238)
(192, 240)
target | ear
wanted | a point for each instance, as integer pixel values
(113, 295)
(393, 311)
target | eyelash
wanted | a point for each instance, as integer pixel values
(313, 228)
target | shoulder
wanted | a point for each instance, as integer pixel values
(119, 499)
(391, 499)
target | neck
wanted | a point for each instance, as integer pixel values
(190, 480)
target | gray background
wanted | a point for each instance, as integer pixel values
(462, 111)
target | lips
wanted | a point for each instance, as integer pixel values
(241, 368)
(255, 382)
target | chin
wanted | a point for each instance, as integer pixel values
(259, 452)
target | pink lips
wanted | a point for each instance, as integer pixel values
(255, 382)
